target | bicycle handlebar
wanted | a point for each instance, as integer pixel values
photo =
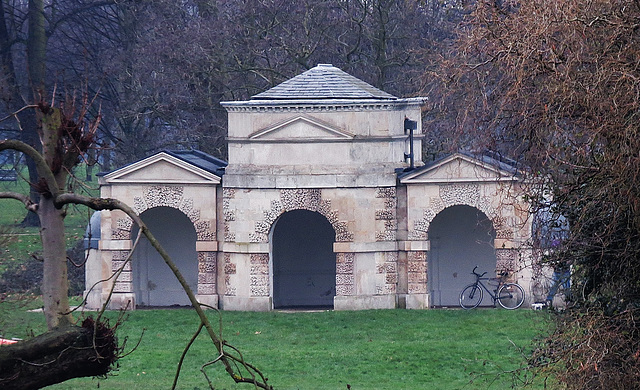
(476, 274)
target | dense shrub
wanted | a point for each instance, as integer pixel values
(592, 350)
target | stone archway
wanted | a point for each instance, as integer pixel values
(304, 265)
(124, 231)
(460, 237)
(154, 284)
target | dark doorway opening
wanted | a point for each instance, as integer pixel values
(304, 266)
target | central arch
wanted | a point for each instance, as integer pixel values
(460, 237)
(304, 265)
(153, 281)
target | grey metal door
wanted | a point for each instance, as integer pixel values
(461, 237)
(154, 282)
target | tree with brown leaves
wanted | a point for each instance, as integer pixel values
(556, 86)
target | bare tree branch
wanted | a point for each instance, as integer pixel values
(20, 197)
(41, 164)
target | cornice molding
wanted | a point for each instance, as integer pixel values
(321, 105)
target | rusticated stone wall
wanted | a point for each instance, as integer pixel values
(426, 201)
(229, 271)
(417, 272)
(454, 195)
(260, 275)
(300, 199)
(345, 280)
(207, 266)
(389, 272)
(388, 214)
(120, 262)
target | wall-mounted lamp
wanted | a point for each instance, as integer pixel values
(409, 127)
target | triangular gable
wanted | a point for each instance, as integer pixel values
(458, 168)
(161, 168)
(300, 127)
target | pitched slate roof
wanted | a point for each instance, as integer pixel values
(201, 160)
(324, 81)
(488, 157)
(197, 158)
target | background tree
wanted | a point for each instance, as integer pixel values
(163, 67)
(556, 86)
(29, 68)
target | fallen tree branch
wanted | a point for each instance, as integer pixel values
(57, 355)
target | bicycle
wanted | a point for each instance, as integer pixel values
(509, 295)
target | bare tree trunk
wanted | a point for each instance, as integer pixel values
(36, 46)
(36, 55)
(55, 284)
(31, 219)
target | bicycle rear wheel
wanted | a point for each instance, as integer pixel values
(471, 296)
(510, 296)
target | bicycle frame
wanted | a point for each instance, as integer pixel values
(478, 282)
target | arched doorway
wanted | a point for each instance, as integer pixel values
(461, 237)
(153, 281)
(304, 265)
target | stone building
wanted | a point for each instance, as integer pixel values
(324, 203)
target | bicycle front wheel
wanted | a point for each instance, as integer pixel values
(471, 296)
(510, 296)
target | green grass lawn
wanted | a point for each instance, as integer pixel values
(373, 349)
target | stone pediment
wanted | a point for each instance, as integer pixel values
(161, 168)
(460, 168)
(300, 128)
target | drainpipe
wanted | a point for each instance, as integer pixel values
(410, 126)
